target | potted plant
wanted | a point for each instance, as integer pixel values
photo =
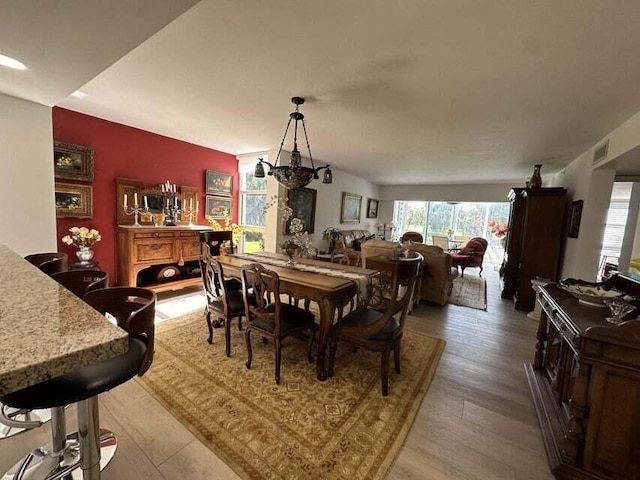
(331, 235)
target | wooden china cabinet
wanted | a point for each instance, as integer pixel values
(585, 383)
(534, 241)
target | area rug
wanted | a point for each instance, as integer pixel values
(469, 291)
(303, 428)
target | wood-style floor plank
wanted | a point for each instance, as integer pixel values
(476, 422)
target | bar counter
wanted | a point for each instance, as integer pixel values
(45, 330)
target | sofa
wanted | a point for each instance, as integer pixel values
(351, 238)
(437, 274)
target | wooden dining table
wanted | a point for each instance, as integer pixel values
(326, 290)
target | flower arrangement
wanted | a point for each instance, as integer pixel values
(82, 237)
(450, 231)
(331, 235)
(499, 230)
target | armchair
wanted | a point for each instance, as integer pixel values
(471, 255)
(412, 236)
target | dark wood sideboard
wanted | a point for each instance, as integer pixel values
(585, 382)
(143, 253)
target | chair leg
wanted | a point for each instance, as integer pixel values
(227, 337)
(210, 325)
(385, 372)
(333, 345)
(278, 343)
(312, 337)
(265, 341)
(462, 268)
(247, 337)
(396, 356)
(480, 274)
(240, 323)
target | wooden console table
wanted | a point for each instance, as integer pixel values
(585, 383)
(140, 248)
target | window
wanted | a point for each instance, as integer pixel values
(253, 197)
(616, 222)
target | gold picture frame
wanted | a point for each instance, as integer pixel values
(73, 200)
(72, 162)
(351, 205)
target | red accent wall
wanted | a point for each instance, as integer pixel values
(127, 152)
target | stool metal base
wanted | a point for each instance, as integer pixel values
(43, 464)
(30, 418)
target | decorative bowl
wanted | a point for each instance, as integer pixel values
(593, 295)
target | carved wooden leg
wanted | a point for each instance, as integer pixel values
(210, 339)
(541, 335)
(385, 372)
(227, 337)
(327, 309)
(574, 439)
(333, 346)
(396, 355)
(278, 343)
(247, 337)
(312, 336)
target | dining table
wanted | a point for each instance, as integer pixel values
(46, 331)
(327, 284)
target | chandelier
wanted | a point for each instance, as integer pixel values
(294, 175)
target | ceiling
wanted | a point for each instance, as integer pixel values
(410, 92)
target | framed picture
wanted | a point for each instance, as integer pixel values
(303, 203)
(574, 219)
(350, 212)
(217, 183)
(72, 162)
(218, 207)
(372, 208)
(73, 200)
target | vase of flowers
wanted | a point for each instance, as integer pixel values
(499, 231)
(331, 235)
(84, 239)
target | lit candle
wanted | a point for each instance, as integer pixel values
(162, 188)
(175, 201)
(146, 205)
(125, 200)
(191, 204)
(135, 199)
(197, 206)
(175, 189)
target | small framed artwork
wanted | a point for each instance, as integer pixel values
(574, 219)
(217, 183)
(372, 208)
(73, 200)
(303, 203)
(218, 207)
(72, 162)
(350, 212)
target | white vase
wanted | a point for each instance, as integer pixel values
(84, 254)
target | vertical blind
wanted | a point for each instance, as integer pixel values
(616, 221)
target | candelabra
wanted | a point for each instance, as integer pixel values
(135, 211)
(191, 213)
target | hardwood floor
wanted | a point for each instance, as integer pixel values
(477, 420)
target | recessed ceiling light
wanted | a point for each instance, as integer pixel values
(11, 63)
(79, 94)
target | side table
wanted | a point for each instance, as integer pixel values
(84, 266)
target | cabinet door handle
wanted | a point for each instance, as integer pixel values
(155, 246)
(156, 234)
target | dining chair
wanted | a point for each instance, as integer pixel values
(346, 256)
(132, 309)
(223, 300)
(378, 329)
(49, 263)
(215, 239)
(80, 282)
(412, 236)
(441, 241)
(272, 319)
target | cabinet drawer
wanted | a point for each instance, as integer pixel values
(154, 250)
(190, 234)
(154, 235)
(190, 248)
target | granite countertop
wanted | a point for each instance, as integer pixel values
(45, 330)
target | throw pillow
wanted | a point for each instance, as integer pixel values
(357, 243)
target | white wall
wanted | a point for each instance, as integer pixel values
(28, 223)
(489, 192)
(593, 185)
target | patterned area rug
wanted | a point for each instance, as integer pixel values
(469, 291)
(303, 428)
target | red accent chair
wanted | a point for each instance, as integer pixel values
(471, 255)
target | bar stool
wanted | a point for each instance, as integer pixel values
(81, 282)
(17, 420)
(49, 263)
(91, 448)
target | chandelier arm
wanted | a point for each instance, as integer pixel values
(286, 130)
(304, 127)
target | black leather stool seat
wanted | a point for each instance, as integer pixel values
(82, 383)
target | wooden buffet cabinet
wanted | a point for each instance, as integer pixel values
(140, 249)
(585, 382)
